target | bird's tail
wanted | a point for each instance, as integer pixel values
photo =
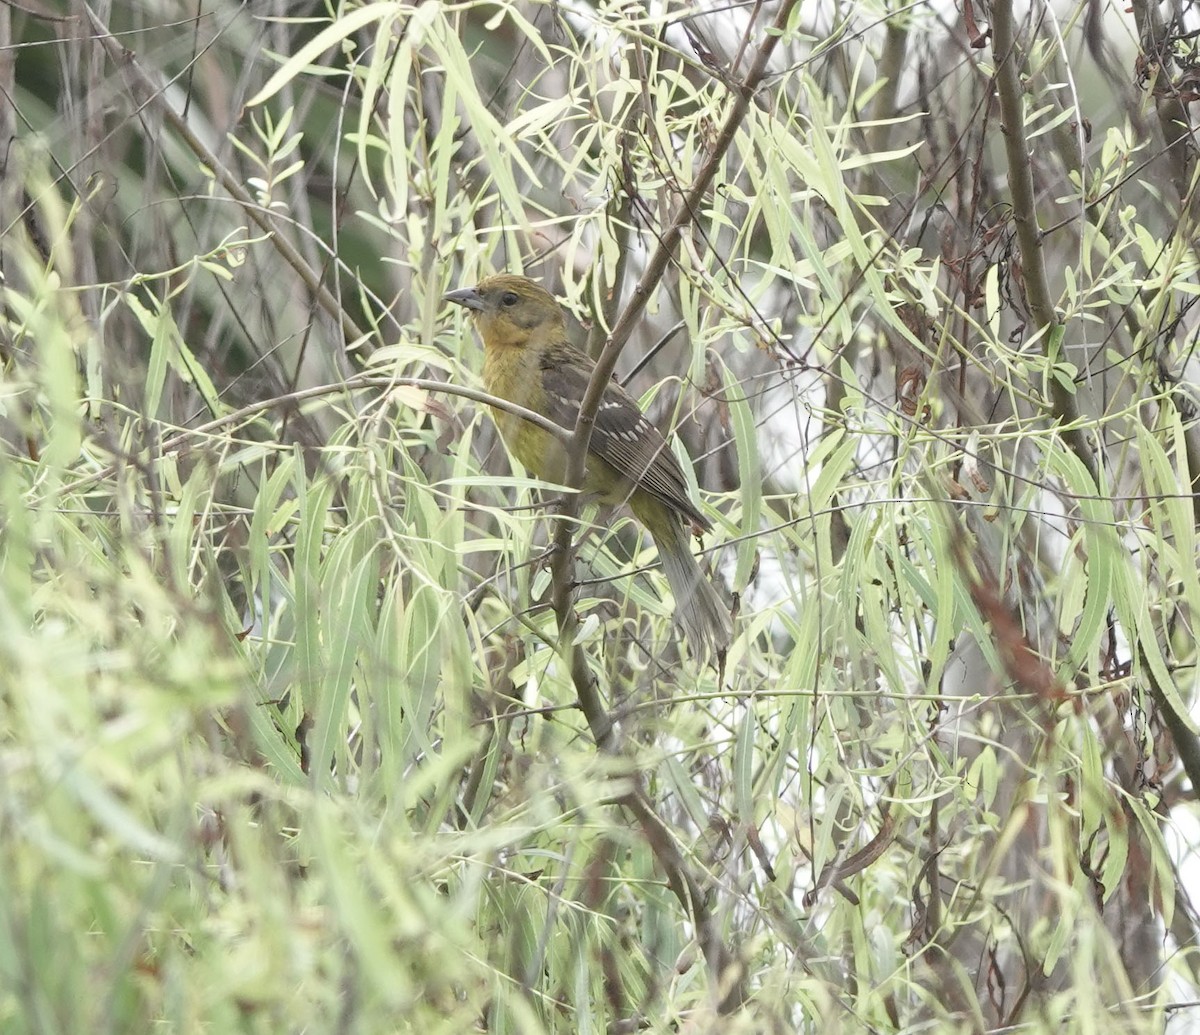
(698, 607)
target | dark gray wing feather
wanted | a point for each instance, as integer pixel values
(622, 434)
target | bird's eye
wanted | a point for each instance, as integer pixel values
(509, 298)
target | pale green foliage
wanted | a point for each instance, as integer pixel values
(286, 743)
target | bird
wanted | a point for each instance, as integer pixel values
(530, 361)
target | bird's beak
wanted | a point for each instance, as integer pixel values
(468, 297)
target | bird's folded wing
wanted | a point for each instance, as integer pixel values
(622, 435)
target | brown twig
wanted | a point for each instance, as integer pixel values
(685, 886)
(1064, 404)
(1168, 104)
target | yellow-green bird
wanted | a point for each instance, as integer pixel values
(529, 361)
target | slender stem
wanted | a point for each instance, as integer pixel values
(1064, 404)
(146, 92)
(687, 888)
(651, 276)
(356, 382)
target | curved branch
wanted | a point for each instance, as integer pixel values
(358, 381)
(1172, 114)
(1064, 405)
(687, 887)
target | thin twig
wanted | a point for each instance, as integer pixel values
(147, 93)
(356, 382)
(685, 886)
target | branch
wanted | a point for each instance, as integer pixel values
(146, 93)
(1038, 295)
(687, 888)
(1064, 404)
(358, 381)
(617, 339)
(1172, 113)
(1187, 744)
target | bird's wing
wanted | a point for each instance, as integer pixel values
(622, 435)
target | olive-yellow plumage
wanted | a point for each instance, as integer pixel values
(529, 361)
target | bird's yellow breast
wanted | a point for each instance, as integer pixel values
(515, 374)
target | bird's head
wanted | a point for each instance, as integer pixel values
(511, 311)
